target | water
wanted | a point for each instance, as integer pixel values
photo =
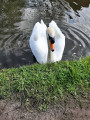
(17, 18)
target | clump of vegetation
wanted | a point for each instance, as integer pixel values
(41, 85)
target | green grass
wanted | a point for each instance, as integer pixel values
(45, 84)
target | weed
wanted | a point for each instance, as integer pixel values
(49, 83)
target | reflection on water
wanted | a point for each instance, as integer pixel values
(17, 18)
(78, 4)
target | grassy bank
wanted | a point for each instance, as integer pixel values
(44, 84)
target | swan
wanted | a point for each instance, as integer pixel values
(47, 43)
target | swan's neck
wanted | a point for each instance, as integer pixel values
(50, 57)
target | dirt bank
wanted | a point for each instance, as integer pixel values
(12, 110)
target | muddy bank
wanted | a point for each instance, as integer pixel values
(12, 110)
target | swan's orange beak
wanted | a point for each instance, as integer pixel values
(52, 47)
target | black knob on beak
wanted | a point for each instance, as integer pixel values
(52, 40)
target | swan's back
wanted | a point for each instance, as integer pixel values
(38, 42)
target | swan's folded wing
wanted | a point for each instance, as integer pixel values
(38, 42)
(59, 41)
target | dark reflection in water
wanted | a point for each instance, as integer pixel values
(78, 4)
(17, 18)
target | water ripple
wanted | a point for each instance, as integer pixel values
(17, 19)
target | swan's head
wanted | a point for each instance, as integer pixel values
(51, 38)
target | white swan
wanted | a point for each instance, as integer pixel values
(47, 44)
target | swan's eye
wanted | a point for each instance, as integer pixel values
(52, 39)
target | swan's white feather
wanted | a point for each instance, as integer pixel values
(59, 42)
(38, 42)
(39, 45)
